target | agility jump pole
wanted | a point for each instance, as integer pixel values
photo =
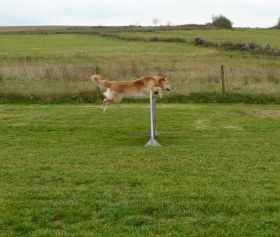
(154, 133)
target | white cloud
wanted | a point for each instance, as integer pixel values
(124, 12)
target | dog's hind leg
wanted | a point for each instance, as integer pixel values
(106, 103)
(108, 99)
(111, 96)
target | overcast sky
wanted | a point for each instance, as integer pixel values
(251, 13)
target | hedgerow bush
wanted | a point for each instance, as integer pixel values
(221, 22)
(278, 24)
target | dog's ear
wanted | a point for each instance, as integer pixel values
(162, 79)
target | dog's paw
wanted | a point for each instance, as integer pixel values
(104, 109)
(158, 96)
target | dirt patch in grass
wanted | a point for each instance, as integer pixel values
(266, 113)
(57, 220)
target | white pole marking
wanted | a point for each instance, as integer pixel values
(152, 114)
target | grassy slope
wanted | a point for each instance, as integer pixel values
(262, 36)
(73, 170)
(68, 45)
(54, 66)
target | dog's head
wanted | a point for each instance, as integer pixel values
(165, 84)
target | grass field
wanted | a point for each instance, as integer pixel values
(261, 36)
(56, 67)
(72, 171)
(69, 45)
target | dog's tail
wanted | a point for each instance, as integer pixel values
(96, 79)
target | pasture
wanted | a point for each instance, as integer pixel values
(69, 170)
(261, 36)
(55, 68)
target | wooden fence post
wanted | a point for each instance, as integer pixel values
(223, 79)
(98, 91)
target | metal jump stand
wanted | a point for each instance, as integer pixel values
(153, 101)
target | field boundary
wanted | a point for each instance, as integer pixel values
(244, 46)
(95, 97)
(113, 32)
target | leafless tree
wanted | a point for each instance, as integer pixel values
(168, 23)
(156, 21)
(136, 23)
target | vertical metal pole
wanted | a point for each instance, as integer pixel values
(152, 115)
(156, 133)
(152, 141)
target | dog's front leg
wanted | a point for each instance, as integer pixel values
(157, 91)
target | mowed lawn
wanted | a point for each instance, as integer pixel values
(69, 170)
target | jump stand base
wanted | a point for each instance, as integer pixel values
(152, 142)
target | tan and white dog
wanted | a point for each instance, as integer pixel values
(138, 88)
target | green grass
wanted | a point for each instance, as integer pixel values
(72, 171)
(69, 45)
(57, 67)
(262, 36)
